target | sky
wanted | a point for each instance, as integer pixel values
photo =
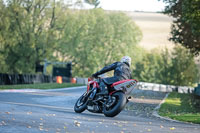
(133, 5)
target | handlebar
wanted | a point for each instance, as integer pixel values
(92, 78)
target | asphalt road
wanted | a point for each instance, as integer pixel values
(52, 111)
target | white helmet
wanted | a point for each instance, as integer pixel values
(126, 59)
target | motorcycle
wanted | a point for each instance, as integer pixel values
(110, 104)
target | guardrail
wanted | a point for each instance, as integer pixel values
(153, 86)
(81, 81)
(164, 88)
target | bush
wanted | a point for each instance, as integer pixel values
(175, 68)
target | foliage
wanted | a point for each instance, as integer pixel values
(147, 68)
(27, 33)
(184, 70)
(32, 31)
(164, 70)
(176, 68)
(95, 3)
(95, 38)
(185, 28)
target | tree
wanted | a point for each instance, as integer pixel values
(95, 3)
(27, 33)
(148, 69)
(183, 70)
(34, 30)
(95, 38)
(165, 64)
(3, 67)
(175, 68)
(185, 28)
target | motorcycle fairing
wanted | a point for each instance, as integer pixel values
(93, 83)
(125, 85)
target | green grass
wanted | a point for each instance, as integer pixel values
(182, 107)
(39, 86)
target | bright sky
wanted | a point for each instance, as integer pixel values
(133, 5)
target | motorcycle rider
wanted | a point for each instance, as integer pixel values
(121, 72)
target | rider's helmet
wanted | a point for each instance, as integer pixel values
(126, 59)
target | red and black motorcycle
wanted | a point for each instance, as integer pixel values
(111, 104)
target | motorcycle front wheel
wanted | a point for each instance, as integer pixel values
(81, 103)
(115, 105)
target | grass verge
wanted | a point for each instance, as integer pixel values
(39, 86)
(182, 107)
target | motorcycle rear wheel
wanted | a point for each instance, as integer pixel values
(81, 104)
(117, 106)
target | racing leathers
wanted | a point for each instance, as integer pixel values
(121, 72)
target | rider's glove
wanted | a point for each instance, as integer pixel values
(95, 75)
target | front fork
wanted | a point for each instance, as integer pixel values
(92, 93)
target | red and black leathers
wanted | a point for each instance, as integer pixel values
(121, 72)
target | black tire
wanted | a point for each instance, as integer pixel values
(117, 106)
(81, 104)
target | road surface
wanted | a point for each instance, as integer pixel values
(52, 111)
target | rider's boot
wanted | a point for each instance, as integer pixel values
(104, 90)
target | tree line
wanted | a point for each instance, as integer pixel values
(35, 30)
(176, 67)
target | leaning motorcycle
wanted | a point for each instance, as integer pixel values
(111, 104)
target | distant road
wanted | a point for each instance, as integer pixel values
(52, 111)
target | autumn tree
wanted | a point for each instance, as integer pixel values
(95, 38)
(186, 24)
(34, 30)
(28, 33)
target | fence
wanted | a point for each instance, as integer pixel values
(9, 79)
